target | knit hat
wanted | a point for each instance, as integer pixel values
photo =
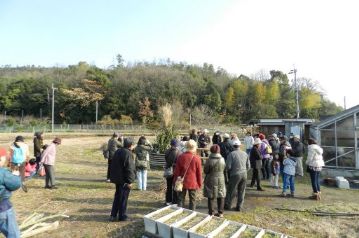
(128, 142)
(174, 142)
(57, 140)
(261, 136)
(215, 149)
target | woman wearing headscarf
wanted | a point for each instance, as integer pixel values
(48, 159)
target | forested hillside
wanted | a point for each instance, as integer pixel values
(136, 91)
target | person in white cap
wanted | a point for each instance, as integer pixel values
(255, 159)
(237, 165)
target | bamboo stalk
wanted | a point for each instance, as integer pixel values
(51, 226)
(32, 222)
(319, 213)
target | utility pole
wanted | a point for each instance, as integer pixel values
(294, 71)
(345, 103)
(53, 108)
(96, 111)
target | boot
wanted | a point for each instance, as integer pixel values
(318, 196)
(314, 196)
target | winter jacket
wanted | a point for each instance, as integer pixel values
(203, 141)
(289, 166)
(283, 147)
(112, 146)
(216, 139)
(8, 183)
(275, 146)
(275, 165)
(237, 162)
(48, 156)
(142, 156)
(255, 158)
(214, 184)
(298, 149)
(248, 142)
(170, 156)
(122, 169)
(263, 149)
(25, 150)
(193, 177)
(29, 169)
(38, 144)
(315, 156)
(226, 148)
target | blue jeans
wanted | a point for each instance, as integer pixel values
(288, 180)
(142, 179)
(314, 178)
(8, 224)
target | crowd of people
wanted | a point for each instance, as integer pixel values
(224, 165)
(17, 166)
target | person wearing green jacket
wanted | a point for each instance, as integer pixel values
(214, 183)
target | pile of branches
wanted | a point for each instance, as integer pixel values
(35, 224)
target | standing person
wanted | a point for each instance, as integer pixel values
(248, 142)
(38, 147)
(274, 143)
(237, 165)
(255, 158)
(182, 144)
(266, 151)
(216, 139)
(282, 155)
(122, 174)
(48, 158)
(170, 156)
(203, 141)
(8, 182)
(142, 152)
(214, 186)
(189, 168)
(226, 148)
(298, 152)
(315, 163)
(275, 165)
(112, 145)
(19, 155)
(288, 174)
(193, 135)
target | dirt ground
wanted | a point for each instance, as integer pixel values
(84, 195)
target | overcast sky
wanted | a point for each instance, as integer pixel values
(318, 37)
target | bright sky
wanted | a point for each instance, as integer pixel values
(319, 37)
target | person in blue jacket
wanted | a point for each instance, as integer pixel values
(8, 182)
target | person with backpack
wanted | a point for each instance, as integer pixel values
(19, 155)
(48, 159)
(9, 182)
(142, 152)
(266, 151)
(112, 146)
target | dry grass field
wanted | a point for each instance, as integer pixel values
(84, 195)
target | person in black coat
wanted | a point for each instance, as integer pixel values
(123, 174)
(255, 159)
